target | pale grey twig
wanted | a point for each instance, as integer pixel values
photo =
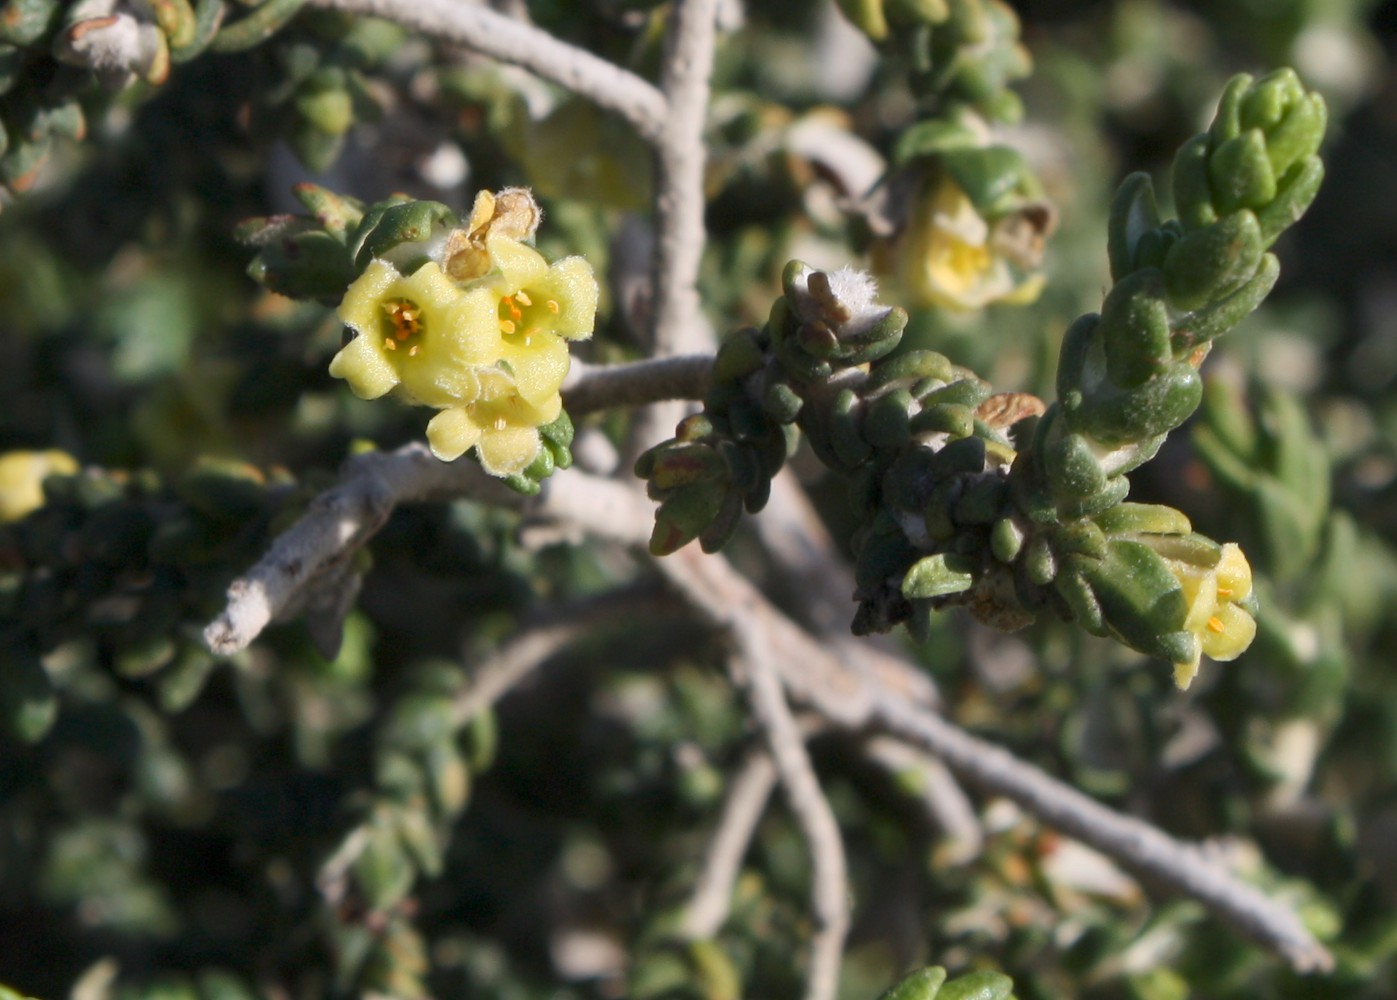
(755, 663)
(829, 876)
(805, 557)
(748, 792)
(511, 41)
(926, 778)
(860, 700)
(553, 630)
(333, 879)
(343, 518)
(589, 388)
(809, 566)
(677, 324)
(1136, 844)
(680, 155)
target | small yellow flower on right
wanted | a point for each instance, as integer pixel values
(1223, 627)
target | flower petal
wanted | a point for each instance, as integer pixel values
(571, 283)
(1185, 672)
(441, 385)
(518, 265)
(451, 433)
(364, 365)
(539, 367)
(360, 309)
(1201, 592)
(1234, 573)
(546, 411)
(474, 320)
(1228, 633)
(509, 451)
(429, 287)
(22, 475)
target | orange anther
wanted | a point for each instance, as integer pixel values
(1215, 625)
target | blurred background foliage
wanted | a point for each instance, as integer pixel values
(175, 826)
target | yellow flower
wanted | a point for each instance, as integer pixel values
(520, 315)
(425, 337)
(22, 476)
(1223, 628)
(500, 424)
(412, 337)
(561, 297)
(950, 256)
(483, 338)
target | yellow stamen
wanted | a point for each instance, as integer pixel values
(507, 326)
(1224, 592)
(1215, 625)
(500, 423)
(412, 351)
(552, 306)
(406, 319)
(523, 297)
(388, 343)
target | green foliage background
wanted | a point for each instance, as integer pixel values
(165, 836)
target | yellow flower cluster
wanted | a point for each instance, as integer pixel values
(951, 257)
(1223, 628)
(480, 335)
(22, 475)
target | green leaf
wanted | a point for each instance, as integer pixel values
(937, 576)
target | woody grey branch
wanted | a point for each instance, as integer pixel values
(590, 388)
(342, 519)
(512, 41)
(676, 319)
(862, 699)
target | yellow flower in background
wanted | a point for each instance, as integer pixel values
(22, 475)
(500, 424)
(1223, 628)
(950, 256)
